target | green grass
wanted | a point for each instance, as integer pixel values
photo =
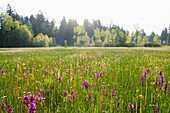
(125, 67)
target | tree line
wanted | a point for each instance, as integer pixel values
(37, 31)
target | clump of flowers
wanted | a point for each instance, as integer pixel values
(131, 106)
(26, 101)
(32, 108)
(145, 73)
(97, 76)
(113, 93)
(65, 93)
(73, 96)
(104, 90)
(2, 71)
(142, 80)
(132, 84)
(46, 71)
(3, 105)
(84, 59)
(32, 98)
(90, 96)
(9, 108)
(38, 98)
(29, 102)
(23, 70)
(86, 84)
(160, 72)
(147, 70)
(59, 79)
(165, 88)
(43, 91)
(156, 107)
(156, 83)
(24, 76)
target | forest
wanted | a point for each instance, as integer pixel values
(38, 31)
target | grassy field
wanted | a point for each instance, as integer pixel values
(85, 80)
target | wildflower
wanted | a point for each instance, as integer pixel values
(39, 94)
(24, 76)
(131, 106)
(65, 93)
(159, 81)
(141, 96)
(38, 98)
(97, 76)
(2, 71)
(147, 70)
(92, 85)
(46, 71)
(54, 73)
(3, 105)
(73, 78)
(142, 80)
(104, 89)
(143, 67)
(165, 87)
(63, 61)
(23, 70)
(90, 96)
(162, 79)
(99, 64)
(32, 108)
(52, 87)
(73, 96)
(145, 73)
(32, 98)
(156, 84)
(43, 91)
(86, 84)
(160, 72)
(132, 84)
(84, 59)
(59, 79)
(113, 55)
(156, 107)
(101, 73)
(113, 93)
(9, 109)
(104, 72)
(26, 101)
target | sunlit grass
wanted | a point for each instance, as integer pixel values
(118, 68)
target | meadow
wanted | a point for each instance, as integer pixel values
(85, 80)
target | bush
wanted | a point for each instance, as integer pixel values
(152, 44)
(132, 44)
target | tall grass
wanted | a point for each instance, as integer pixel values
(33, 70)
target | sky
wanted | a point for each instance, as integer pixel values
(150, 15)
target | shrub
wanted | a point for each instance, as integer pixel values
(152, 44)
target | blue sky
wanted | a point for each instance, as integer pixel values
(151, 15)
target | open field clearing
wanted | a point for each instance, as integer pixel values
(85, 80)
